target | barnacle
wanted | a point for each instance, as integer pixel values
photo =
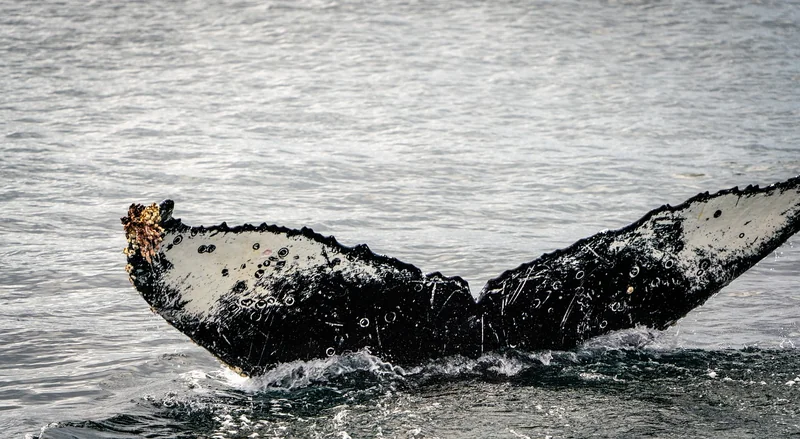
(142, 230)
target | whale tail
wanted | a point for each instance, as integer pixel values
(255, 296)
(650, 273)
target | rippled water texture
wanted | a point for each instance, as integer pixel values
(465, 137)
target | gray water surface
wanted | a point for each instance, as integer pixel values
(464, 137)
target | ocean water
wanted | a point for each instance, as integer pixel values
(463, 137)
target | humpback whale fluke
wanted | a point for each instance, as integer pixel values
(255, 296)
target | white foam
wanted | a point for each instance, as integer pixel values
(300, 374)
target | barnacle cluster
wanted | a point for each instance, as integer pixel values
(142, 230)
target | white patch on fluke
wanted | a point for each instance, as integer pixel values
(733, 223)
(198, 275)
(719, 229)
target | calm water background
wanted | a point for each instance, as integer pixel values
(466, 137)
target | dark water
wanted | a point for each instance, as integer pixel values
(463, 137)
(592, 393)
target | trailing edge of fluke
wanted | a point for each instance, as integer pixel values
(255, 296)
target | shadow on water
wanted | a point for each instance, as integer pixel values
(673, 393)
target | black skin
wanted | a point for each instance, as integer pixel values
(404, 316)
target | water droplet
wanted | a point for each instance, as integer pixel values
(289, 300)
(330, 351)
(634, 271)
(390, 317)
(364, 322)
